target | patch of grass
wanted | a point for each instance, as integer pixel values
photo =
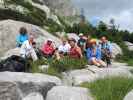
(56, 67)
(54, 72)
(35, 65)
(67, 63)
(128, 61)
(114, 88)
(50, 71)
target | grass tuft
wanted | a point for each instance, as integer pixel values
(114, 88)
(67, 63)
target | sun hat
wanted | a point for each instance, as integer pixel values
(50, 40)
(93, 41)
(81, 34)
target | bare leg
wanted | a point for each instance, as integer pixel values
(94, 62)
(57, 55)
(33, 55)
(102, 63)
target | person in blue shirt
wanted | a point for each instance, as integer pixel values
(22, 37)
(106, 49)
(94, 54)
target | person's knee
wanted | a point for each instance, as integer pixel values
(102, 63)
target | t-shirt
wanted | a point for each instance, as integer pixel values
(75, 53)
(48, 49)
(21, 38)
(106, 46)
(64, 48)
(26, 48)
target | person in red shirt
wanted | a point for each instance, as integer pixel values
(75, 51)
(48, 49)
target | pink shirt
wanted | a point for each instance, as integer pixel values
(47, 49)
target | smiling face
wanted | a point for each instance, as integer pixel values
(103, 40)
(31, 39)
(49, 42)
(72, 43)
(64, 42)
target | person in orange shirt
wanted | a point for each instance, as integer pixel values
(75, 51)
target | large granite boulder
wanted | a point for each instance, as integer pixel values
(24, 91)
(11, 52)
(9, 91)
(61, 7)
(47, 10)
(116, 50)
(9, 29)
(28, 77)
(34, 96)
(18, 86)
(92, 73)
(68, 93)
(129, 45)
(28, 89)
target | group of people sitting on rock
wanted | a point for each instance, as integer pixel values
(97, 52)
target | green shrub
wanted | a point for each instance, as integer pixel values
(67, 64)
(34, 15)
(53, 26)
(110, 88)
(57, 66)
(35, 65)
(50, 71)
(54, 72)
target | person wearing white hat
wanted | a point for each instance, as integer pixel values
(82, 42)
(81, 34)
(27, 50)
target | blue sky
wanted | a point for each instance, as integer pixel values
(120, 10)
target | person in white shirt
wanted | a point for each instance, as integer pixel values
(64, 47)
(27, 50)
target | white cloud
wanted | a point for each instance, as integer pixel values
(120, 10)
(123, 19)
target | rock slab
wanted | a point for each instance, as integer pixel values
(25, 86)
(68, 93)
(129, 96)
